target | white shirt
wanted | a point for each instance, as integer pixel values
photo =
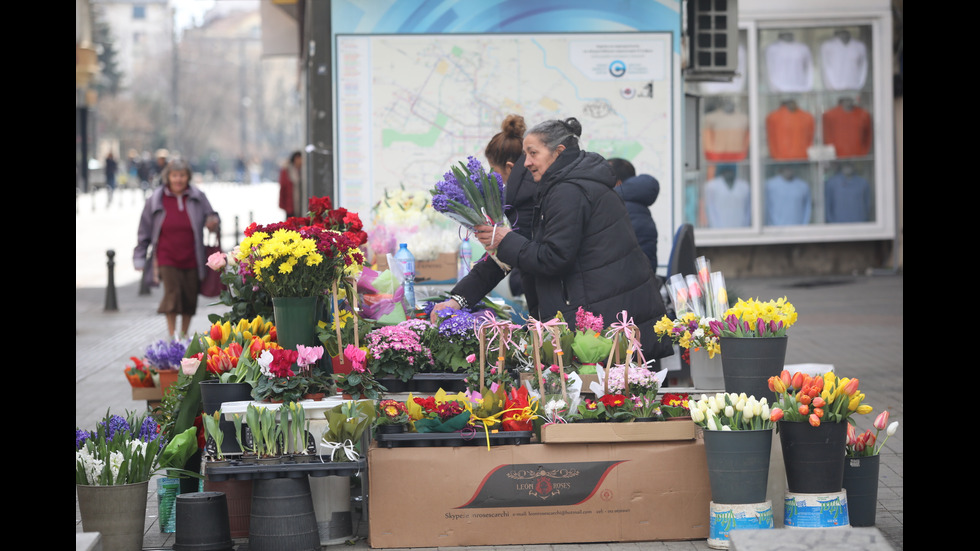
(727, 207)
(789, 66)
(845, 65)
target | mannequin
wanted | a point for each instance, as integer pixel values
(844, 61)
(848, 128)
(789, 65)
(789, 131)
(727, 200)
(788, 200)
(847, 196)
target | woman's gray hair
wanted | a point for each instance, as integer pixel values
(177, 165)
(555, 132)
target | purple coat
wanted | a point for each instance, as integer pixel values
(151, 221)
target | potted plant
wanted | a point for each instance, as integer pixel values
(113, 467)
(345, 425)
(589, 411)
(675, 406)
(360, 382)
(589, 345)
(215, 439)
(813, 414)
(738, 442)
(640, 385)
(390, 417)
(353, 330)
(617, 408)
(453, 342)
(295, 427)
(264, 429)
(164, 357)
(861, 468)
(753, 343)
(278, 383)
(397, 352)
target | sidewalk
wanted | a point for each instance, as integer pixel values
(853, 323)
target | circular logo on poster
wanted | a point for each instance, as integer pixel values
(617, 68)
(628, 93)
(606, 495)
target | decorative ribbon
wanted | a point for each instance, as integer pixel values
(491, 420)
(347, 446)
(631, 333)
(499, 330)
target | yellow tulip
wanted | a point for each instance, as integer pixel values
(864, 409)
(854, 402)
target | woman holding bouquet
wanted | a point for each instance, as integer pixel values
(505, 155)
(582, 250)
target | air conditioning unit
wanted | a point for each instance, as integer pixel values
(712, 40)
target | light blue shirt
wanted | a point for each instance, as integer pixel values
(848, 199)
(788, 202)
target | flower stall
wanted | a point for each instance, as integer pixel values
(321, 371)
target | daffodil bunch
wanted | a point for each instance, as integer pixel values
(732, 412)
(826, 398)
(691, 331)
(754, 318)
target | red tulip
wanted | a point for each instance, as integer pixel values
(215, 333)
(814, 420)
(881, 422)
(776, 414)
(786, 378)
(851, 387)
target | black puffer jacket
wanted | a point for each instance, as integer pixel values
(583, 252)
(639, 192)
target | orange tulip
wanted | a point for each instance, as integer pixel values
(798, 380)
(804, 399)
(776, 414)
(818, 384)
(818, 412)
(819, 402)
(814, 420)
(851, 387)
(804, 409)
(786, 378)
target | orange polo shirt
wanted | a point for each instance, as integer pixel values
(789, 133)
(848, 130)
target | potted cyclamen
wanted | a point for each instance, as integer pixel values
(861, 467)
(278, 383)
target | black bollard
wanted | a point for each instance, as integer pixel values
(110, 291)
(238, 232)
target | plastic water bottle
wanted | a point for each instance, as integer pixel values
(465, 258)
(406, 261)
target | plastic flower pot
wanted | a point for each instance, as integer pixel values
(295, 320)
(861, 483)
(749, 362)
(813, 456)
(738, 465)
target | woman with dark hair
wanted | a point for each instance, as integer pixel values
(504, 153)
(171, 230)
(582, 250)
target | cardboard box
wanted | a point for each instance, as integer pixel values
(150, 393)
(441, 268)
(538, 494)
(581, 433)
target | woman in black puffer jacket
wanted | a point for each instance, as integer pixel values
(582, 251)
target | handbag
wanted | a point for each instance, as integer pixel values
(211, 285)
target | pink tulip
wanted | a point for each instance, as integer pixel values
(851, 435)
(881, 422)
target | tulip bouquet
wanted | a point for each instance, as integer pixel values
(867, 444)
(753, 318)
(732, 412)
(816, 399)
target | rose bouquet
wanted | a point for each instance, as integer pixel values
(826, 399)
(867, 444)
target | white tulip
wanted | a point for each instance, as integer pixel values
(725, 427)
(711, 423)
(765, 412)
(892, 428)
(729, 411)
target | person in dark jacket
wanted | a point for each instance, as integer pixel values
(582, 251)
(638, 192)
(505, 155)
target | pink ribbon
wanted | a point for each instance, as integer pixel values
(540, 326)
(497, 328)
(628, 329)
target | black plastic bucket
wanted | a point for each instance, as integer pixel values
(861, 483)
(747, 363)
(738, 465)
(282, 516)
(813, 456)
(202, 522)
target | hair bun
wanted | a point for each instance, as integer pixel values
(573, 126)
(514, 126)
